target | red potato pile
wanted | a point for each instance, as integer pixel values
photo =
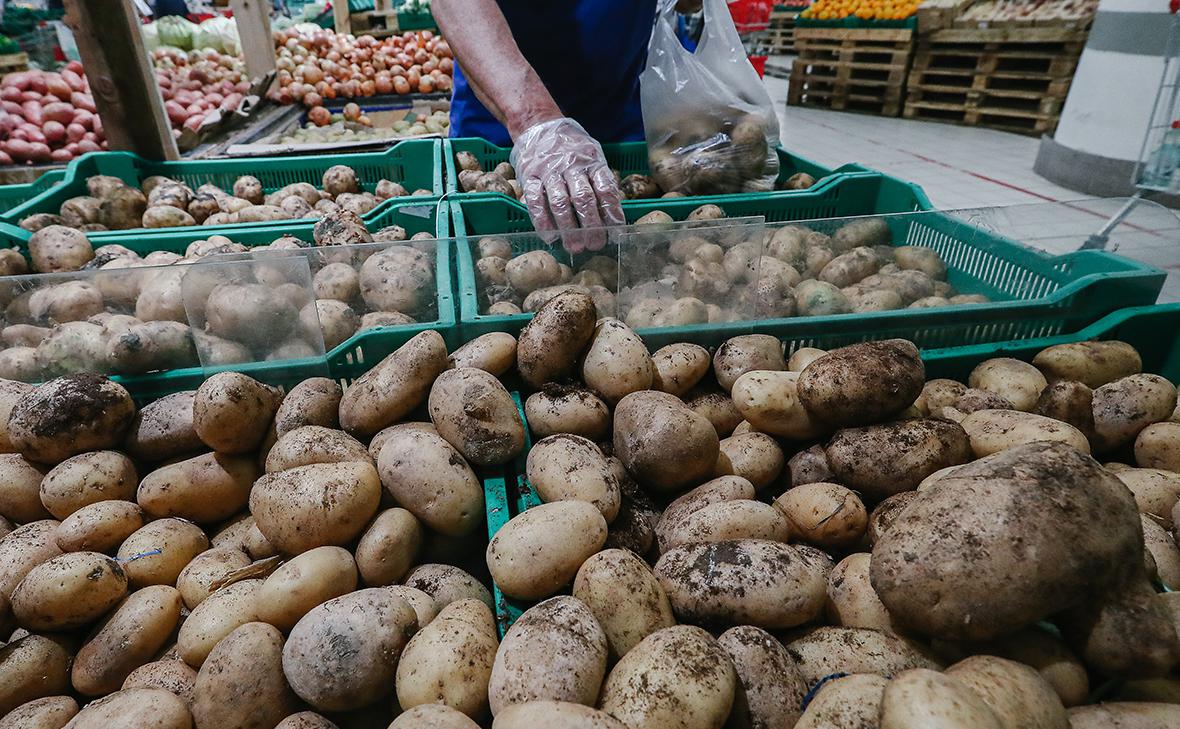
(48, 117)
(326, 65)
(198, 82)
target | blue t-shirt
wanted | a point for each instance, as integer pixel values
(588, 53)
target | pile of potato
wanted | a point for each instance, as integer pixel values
(122, 313)
(502, 179)
(740, 538)
(711, 275)
(162, 202)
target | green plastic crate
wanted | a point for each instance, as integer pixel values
(415, 21)
(12, 196)
(486, 214)
(1153, 330)
(415, 163)
(351, 358)
(626, 157)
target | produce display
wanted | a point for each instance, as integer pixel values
(502, 179)
(863, 9)
(198, 82)
(122, 313)
(172, 31)
(351, 125)
(48, 117)
(316, 64)
(725, 535)
(161, 202)
(1030, 10)
(709, 275)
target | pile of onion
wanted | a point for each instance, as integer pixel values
(47, 117)
(315, 67)
(194, 83)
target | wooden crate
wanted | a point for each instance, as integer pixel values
(781, 33)
(13, 62)
(1012, 78)
(851, 69)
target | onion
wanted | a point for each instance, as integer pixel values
(319, 116)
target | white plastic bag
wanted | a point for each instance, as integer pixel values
(708, 118)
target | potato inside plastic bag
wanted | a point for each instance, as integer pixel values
(708, 119)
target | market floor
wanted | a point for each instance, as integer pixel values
(981, 169)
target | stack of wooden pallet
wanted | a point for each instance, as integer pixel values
(1013, 78)
(851, 69)
(781, 34)
(11, 62)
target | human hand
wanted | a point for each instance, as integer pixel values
(567, 182)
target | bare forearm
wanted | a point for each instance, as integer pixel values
(491, 61)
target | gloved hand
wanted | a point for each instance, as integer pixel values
(567, 183)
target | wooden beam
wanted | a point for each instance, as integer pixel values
(258, 45)
(122, 81)
(341, 16)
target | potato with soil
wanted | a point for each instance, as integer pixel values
(568, 467)
(559, 409)
(770, 689)
(746, 353)
(824, 651)
(862, 383)
(920, 695)
(20, 484)
(553, 714)
(769, 400)
(99, 527)
(315, 505)
(1018, 382)
(617, 362)
(852, 603)
(1156, 492)
(1091, 363)
(69, 591)
(625, 598)
(1125, 407)
(298, 585)
(1004, 499)
(663, 443)
(208, 488)
(744, 582)
(726, 521)
(679, 676)
(232, 411)
(169, 674)
(241, 683)
(164, 429)
(992, 431)
(555, 651)
(389, 547)
(881, 460)
(1015, 692)
(753, 456)
(549, 346)
(314, 401)
(216, 617)
(343, 654)
(156, 553)
(494, 353)
(208, 568)
(58, 248)
(134, 709)
(426, 475)
(677, 368)
(51, 712)
(314, 444)
(826, 515)
(724, 488)
(473, 411)
(398, 278)
(394, 386)
(32, 667)
(449, 661)
(445, 584)
(24, 548)
(134, 633)
(254, 314)
(849, 702)
(70, 415)
(540, 550)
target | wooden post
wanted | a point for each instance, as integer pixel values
(341, 15)
(258, 45)
(121, 77)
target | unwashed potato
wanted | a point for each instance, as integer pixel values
(68, 591)
(24, 548)
(99, 527)
(70, 415)
(1158, 446)
(315, 505)
(429, 477)
(215, 618)
(881, 460)
(241, 683)
(445, 584)
(920, 694)
(746, 353)
(1091, 363)
(852, 603)
(676, 676)
(564, 467)
(992, 431)
(204, 489)
(435, 716)
(677, 368)
(208, 568)
(1018, 382)
(848, 702)
(744, 582)
(769, 400)
(1124, 715)
(20, 483)
(394, 386)
(156, 553)
(625, 597)
(550, 344)
(374, 623)
(232, 411)
(552, 714)
(494, 353)
(559, 409)
(770, 689)
(726, 521)
(1125, 407)
(753, 456)
(826, 651)
(163, 429)
(540, 550)
(128, 639)
(663, 443)
(723, 488)
(170, 674)
(310, 579)
(134, 709)
(51, 712)
(474, 412)
(827, 515)
(450, 660)
(1017, 694)
(617, 362)
(861, 383)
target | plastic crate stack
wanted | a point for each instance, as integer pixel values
(752, 19)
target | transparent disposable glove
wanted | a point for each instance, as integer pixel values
(567, 183)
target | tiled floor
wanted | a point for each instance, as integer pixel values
(966, 167)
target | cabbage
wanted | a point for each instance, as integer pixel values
(219, 33)
(174, 30)
(151, 36)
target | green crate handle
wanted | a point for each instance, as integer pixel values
(416, 162)
(13, 195)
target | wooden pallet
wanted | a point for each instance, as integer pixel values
(13, 62)
(851, 69)
(780, 35)
(1004, 119)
